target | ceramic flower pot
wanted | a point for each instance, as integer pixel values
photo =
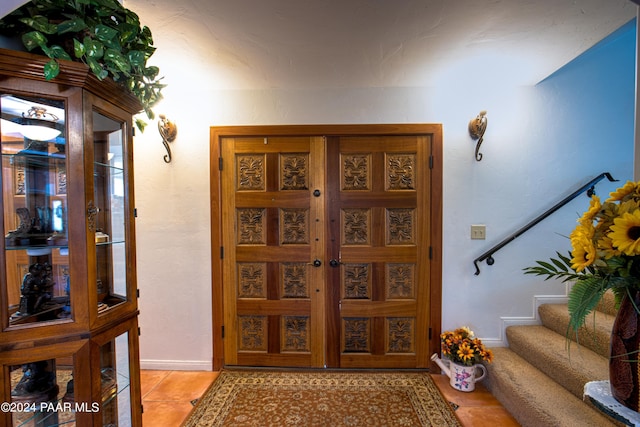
(463, 378)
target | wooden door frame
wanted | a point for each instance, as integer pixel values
(435, 206)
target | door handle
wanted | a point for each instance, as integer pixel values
(334, 263)
(316, 263)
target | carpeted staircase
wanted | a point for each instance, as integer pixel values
(540, 377)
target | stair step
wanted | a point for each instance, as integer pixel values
(595, 335)
(566, 362)
(608, 304)
(535, 399)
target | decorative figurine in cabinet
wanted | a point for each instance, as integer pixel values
(68, 296)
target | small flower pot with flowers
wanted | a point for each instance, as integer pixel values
(605, 256)
(465, 353)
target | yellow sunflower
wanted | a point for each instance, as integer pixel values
(605, 245)
(590, 214)
(463, 332)
(625, 233)
(465, 352)
(487, 355)
(583, 231)
(627, 206)
(623, 191)
(584, 251)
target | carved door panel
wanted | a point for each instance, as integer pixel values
(378, 217)
(273, 277)
(326, 248)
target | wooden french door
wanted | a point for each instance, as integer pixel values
(328, 246)
(378, 223)
(273, 285)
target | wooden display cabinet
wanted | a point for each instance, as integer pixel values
(68, 298)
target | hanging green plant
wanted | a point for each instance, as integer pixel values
(103, 34)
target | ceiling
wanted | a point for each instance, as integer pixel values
(292, 44)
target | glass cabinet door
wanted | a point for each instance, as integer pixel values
(115, 379)
(34, 165)
(109, 217)
(42, 393)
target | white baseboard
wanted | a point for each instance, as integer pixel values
(176, 365)
(538, 300)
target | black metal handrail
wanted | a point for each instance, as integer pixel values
(589, 187)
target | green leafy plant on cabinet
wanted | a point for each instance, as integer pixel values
(103, 34)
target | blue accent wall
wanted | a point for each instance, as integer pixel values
(589, 107)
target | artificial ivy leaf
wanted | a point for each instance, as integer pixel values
(132, 17)
(97, 69)
(59, 53)
(51, 69)
(150, 113)
(118, 60)
(114, 43)
(115, 72)
(93, 48)
(33, 40)
(146, 33)
(128, 32)
(47, 51)
(78, 49)
(140, 124)
(151, 72)
(149, 50)
(72, 26)
(136, 58)
(40, 23)
(111, 4)
(104, 33)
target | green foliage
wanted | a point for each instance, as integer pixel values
(583, 299)
(557, 268)
(615, 274)
(100, 33)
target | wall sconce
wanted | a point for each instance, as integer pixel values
(168, 131)
(477, 127)
(38, 125)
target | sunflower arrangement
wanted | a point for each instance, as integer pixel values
(605, 253)
(463, 348)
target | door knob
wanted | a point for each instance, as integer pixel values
(334, 263)
(316, 193)
(317, 263)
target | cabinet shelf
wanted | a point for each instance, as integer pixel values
(116, 169)
(48, 246)
(33, 248)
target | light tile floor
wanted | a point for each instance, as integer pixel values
(476, 409)
(167, 396)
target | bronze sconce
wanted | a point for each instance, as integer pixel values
(477, 127)
(168, 131)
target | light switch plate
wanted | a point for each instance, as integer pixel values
(479, 232)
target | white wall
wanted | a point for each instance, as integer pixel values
(541, 143)
(8, 6)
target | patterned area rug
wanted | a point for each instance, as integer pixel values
(268, 398)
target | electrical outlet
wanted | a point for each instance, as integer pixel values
(479, 232)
